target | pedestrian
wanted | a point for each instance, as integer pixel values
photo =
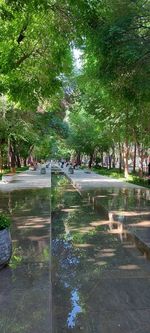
(149, 169)
(43, 167)
(149, 173)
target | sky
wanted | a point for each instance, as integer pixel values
(77, 54)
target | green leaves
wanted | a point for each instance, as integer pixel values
(5, 221)
(35, 49)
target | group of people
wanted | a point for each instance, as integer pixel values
(68, 164)
(40, 165)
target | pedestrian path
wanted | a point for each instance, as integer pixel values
(84, 179)
(28, 179)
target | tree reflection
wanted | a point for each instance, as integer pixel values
(87, 243)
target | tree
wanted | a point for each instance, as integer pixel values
(34, 49)
(115, 73)
(85, 134)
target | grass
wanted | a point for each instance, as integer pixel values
(115, 173)
(139, 181)
(18, 170)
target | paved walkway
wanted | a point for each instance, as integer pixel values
(88, 180)
(25, 288)
(28, 180)
(25, 285)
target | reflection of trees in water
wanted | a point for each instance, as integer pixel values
(28, 274)
(25, 200)
(86, 244)
(78, 256)
(59, 197)
(126, 199)
(65, 257)
(29, 230)
(37, 251)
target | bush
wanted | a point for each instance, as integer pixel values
(144, 181)
(4, 221)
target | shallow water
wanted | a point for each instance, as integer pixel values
(25, 288)
(100, 279)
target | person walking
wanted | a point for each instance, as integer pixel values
(149, 173)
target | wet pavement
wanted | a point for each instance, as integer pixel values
(128, 208)
(100, 258)
(86, 179)
(25, 285)
(27, 180)
(101, 273)
(125, 203)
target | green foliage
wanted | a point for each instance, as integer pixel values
(35, 49)
(5, 221)
(30, 132)
(60, 149)
(115, 173)
(110, 96)
(16, 258)
(139, 181)
(58, 184)
(85, 134)
(19, 170)
(115, 79)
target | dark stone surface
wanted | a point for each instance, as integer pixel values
(25, 284)
(100, 275)
(5, 247)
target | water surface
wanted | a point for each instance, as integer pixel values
(100, 280)
(25, 285)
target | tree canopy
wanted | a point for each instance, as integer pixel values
(108, 96)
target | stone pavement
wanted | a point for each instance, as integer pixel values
(101, 281)
(128, 205)
(28, 179)
(25, 285)
(84, 180)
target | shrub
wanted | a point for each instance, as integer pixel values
(4, 221)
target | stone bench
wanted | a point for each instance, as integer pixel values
(43, 170)
(8, 177)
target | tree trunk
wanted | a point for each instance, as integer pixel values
(126, 146)
(90, 161)
(113, 157)
(109, 161)
(12, 158)
(102, 158)
(78, 158)
(24, 162)
(142, 159)
(134, 159)
(120, 158)
(126, 155)
(140, 153)
(18, 161)
(1, 161)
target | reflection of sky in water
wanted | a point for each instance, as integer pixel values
(76, 308)
(70, 256)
